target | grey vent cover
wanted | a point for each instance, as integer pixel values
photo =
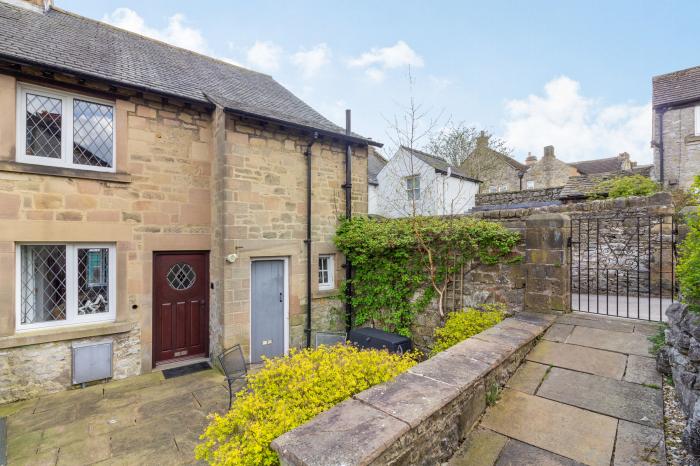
(92, 361)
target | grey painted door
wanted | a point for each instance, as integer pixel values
(267, 309)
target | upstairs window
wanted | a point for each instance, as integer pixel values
(326, 266)
(503, 188)
(413, 188)
(530, 185)
(63, 130)
(61, 284)
(493, 189)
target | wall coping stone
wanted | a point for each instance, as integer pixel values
(73, 332)
(361, 429)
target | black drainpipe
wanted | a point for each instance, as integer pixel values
(661, 144)
(307, 153)
(348, 215)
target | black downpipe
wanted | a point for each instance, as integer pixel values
(661, 145)
(307, 153)
(348, 215)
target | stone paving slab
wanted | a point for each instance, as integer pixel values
(615, 398)
(481, 448)
(647, 328)
(528, 377)
(597, 321)
(517, 453)
(621, 342)
(558, 332)
(579, 358)
(642, 370)
(639, 445)
(559, 428)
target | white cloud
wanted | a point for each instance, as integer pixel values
(311, 61)
(264, 56)
(176, 32)
(378, 60)
(579, 127)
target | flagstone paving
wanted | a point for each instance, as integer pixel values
(140, 420)
(588, 393)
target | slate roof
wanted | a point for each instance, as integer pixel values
(439, 164)
(589, 167)
(579, 187)
(65, 42)
(677, 87)
(375, 163)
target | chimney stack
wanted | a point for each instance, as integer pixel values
(549, 152)
(530, 160)
(45, 5)
(482, 140)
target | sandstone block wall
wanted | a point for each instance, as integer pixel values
(519, 197)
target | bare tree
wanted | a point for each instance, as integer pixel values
(455, 142)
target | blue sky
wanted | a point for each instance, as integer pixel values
(573, 74)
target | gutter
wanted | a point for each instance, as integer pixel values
(307, 241)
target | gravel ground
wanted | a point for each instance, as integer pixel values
(674, 423)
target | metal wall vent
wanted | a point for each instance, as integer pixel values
(92, 361)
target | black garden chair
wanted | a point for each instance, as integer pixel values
(234, 366)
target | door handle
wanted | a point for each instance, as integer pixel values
(281, 297)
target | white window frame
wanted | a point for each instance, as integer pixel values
(493, 189)
(503, 188)
(72, 317)
(330, 284)
(530, 184)
(411, 192)
(67, 116)
(697, 120)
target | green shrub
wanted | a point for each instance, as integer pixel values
(688, 268)
(658, 340)
(289, 391)
(393, 274)
(463, 324)
(625, 186)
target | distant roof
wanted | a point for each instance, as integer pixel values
(440, 165)
(579, 187)
(677, 87)
(65, 42)
(375, 163)
(589, 167)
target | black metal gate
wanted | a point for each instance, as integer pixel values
(623, 265)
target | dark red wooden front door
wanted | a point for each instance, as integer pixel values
(180, 306)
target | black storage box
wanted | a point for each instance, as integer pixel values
(379, 339)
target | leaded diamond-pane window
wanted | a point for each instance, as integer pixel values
(43, 283)
(63, 284)
(92, 133)
(181, 276)
(63, 130)
(43, 126)
(93, 284)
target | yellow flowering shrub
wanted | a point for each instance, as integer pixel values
(463, 324)
(289, 391)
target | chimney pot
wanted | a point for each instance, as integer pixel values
(482, 140)
(530, 160)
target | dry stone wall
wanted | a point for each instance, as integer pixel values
(518, 197)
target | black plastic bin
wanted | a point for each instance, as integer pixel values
(379, 339)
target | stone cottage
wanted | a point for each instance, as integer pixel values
(165, 202)
(498, 172)
(676, 127)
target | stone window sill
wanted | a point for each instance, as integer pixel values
(19, 167)
(330, 293)
(692, 139)
(50, 335)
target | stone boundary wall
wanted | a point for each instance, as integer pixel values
(518, 197)
(421, 416)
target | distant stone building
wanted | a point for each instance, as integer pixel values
(548, 172)
(497, 171)
(676, 127)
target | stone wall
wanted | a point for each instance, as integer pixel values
(680, 359)
(519, 197)
(34, 370)
(421, 416)
(681, 146)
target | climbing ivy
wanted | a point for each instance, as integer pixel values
(400, 265)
